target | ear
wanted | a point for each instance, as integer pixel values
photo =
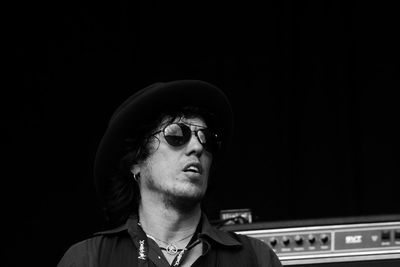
(135, 169)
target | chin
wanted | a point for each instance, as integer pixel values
(184, 200)
(183, 196)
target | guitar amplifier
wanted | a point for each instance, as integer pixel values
(353, 241)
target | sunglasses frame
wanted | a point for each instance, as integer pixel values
(185, 128)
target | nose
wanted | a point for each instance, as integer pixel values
(194, 146)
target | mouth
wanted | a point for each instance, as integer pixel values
(193, 167)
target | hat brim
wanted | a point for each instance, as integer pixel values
(150, 102)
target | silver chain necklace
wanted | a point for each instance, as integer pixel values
(171, 248)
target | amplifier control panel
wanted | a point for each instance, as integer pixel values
(339, 242)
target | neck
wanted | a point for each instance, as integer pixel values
(165, 222)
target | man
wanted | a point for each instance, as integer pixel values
(152, 169)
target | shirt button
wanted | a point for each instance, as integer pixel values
(159, 257)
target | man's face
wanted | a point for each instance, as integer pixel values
(178, 175)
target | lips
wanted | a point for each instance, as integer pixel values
(194, 167)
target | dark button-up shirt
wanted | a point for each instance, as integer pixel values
(119, 247)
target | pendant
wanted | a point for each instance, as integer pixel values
(171, 249)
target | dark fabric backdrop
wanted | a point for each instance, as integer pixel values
(313, 86)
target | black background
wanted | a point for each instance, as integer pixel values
(313, 86)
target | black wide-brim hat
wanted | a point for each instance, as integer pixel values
(149, 103)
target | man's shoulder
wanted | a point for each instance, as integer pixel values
(245, 240)
(87, 244)
(82, 252)
(253, 242)
(266, 257)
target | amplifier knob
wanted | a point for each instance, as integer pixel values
(311, 239)
(285, 241)
(385, 236)
(397, 235)
(273, 241)
(298, 239)
(324, 238)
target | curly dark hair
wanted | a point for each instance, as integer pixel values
(122, 194)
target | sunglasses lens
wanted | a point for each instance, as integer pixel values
(209, 140)
(177, 134)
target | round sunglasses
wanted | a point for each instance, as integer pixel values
(179, 134)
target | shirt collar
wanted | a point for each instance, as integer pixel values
(207, 230)
(217, 235)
